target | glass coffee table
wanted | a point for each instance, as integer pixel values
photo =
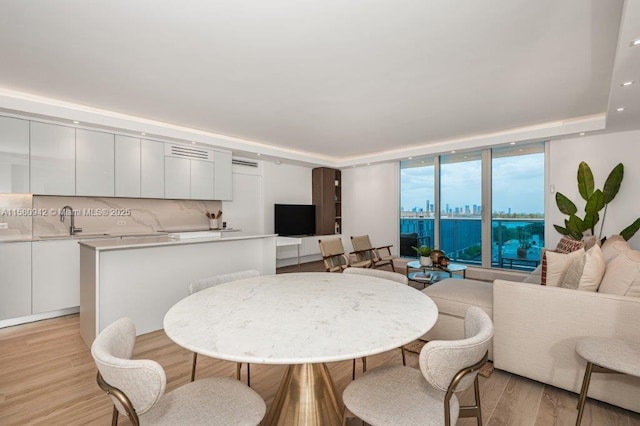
(432, 274)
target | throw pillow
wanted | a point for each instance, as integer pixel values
(611, 250)
(568, 245)
(572, 277)
(557, 265)
(594, 267)
(622, 276)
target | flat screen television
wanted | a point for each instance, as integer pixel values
(295, 219)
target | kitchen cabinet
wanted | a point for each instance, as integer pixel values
(55, 279)
(202, 175)
(151, 169)
(14, 156)
(15, 280)
(177, 178)
(53, 159)
(223, 187)
(127, 166)
(94, 163)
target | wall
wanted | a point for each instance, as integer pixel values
(245, 211)
(601, 153)
(371, 204)
(284, 184)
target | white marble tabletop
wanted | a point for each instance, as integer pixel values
(300, 318)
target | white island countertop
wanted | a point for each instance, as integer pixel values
(166, 240)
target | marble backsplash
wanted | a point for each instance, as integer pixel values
(15, 216)
(101, 215)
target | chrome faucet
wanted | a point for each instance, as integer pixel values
(72, 226)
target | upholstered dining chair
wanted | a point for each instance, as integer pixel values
(386, 275)
(334, 258)
(395, 395)
(203, 283)
(364, 250)
(137, 388)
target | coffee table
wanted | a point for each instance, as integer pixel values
(302, 319)
(452, 268)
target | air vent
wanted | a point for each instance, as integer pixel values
(187, 152)
(245, 163)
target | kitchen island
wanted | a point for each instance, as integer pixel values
(141, 278)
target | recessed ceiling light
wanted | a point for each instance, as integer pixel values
(627, 83)
(519, 150)
(193, 143)
(353, 165)
(635, 42)
(143, 134)
(76, 122)
(368, 164)
(410, 158)
(620, 109)
(422, 161)
(258, 154)
(581, 133)
(512, 143)
(278, 162)
(453, 152)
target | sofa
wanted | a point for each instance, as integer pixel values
(537, 327)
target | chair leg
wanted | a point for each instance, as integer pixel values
(476, 390)
(404, 359)
(583, 392)
(393, 268)
(364, 364)
(114, 417)
(353, 370)
(193, 366)
(238, 367)
(248, 374)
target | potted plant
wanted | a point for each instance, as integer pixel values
(425, 255)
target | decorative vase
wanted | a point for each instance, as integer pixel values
(426, 261)
(213, 223)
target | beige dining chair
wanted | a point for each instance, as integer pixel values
(203, 283)
(385, 275)
(137, 388)
(334, 257)
(364, 250)
(398, 396)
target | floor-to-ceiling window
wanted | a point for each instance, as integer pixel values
(417, 205)
(442, 205)
(517, 220)
(461, 206)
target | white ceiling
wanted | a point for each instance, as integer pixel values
(331, 79)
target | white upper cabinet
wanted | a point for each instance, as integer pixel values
(14, 155)
(177, 178)
(53, 159)
(94, 163)
(223, 188)
(151, 169)
(201, 180)
(127, 162)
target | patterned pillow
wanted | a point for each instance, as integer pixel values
(567, 245)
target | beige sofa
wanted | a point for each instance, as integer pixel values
(537, 327)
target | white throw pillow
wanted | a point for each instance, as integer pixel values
(613, 247)
(594, 267)
(622, 276)
(558, 264)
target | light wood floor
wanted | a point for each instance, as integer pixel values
(47, 376)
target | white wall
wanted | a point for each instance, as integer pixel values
(601, 153)
(245, 211)
(284, 184)
(371, 204)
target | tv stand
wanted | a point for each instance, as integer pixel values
(307, 251)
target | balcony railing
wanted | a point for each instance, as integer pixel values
(516, 243)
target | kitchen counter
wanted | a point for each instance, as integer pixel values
(15, 238)
(141, 278)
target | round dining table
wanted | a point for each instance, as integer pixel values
(303, 320)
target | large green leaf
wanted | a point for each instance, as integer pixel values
(595, 203)
(575, 225)
(590, 221)
(561, 230)
(630, 230)
(565, 205)
(585, 180)
(612, 184)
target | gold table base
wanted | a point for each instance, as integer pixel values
(306, 396)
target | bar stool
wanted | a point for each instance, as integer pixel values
(604, 355)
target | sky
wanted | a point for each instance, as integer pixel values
(518, 183)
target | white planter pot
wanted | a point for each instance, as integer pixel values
(213, 224)
(426, 261)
